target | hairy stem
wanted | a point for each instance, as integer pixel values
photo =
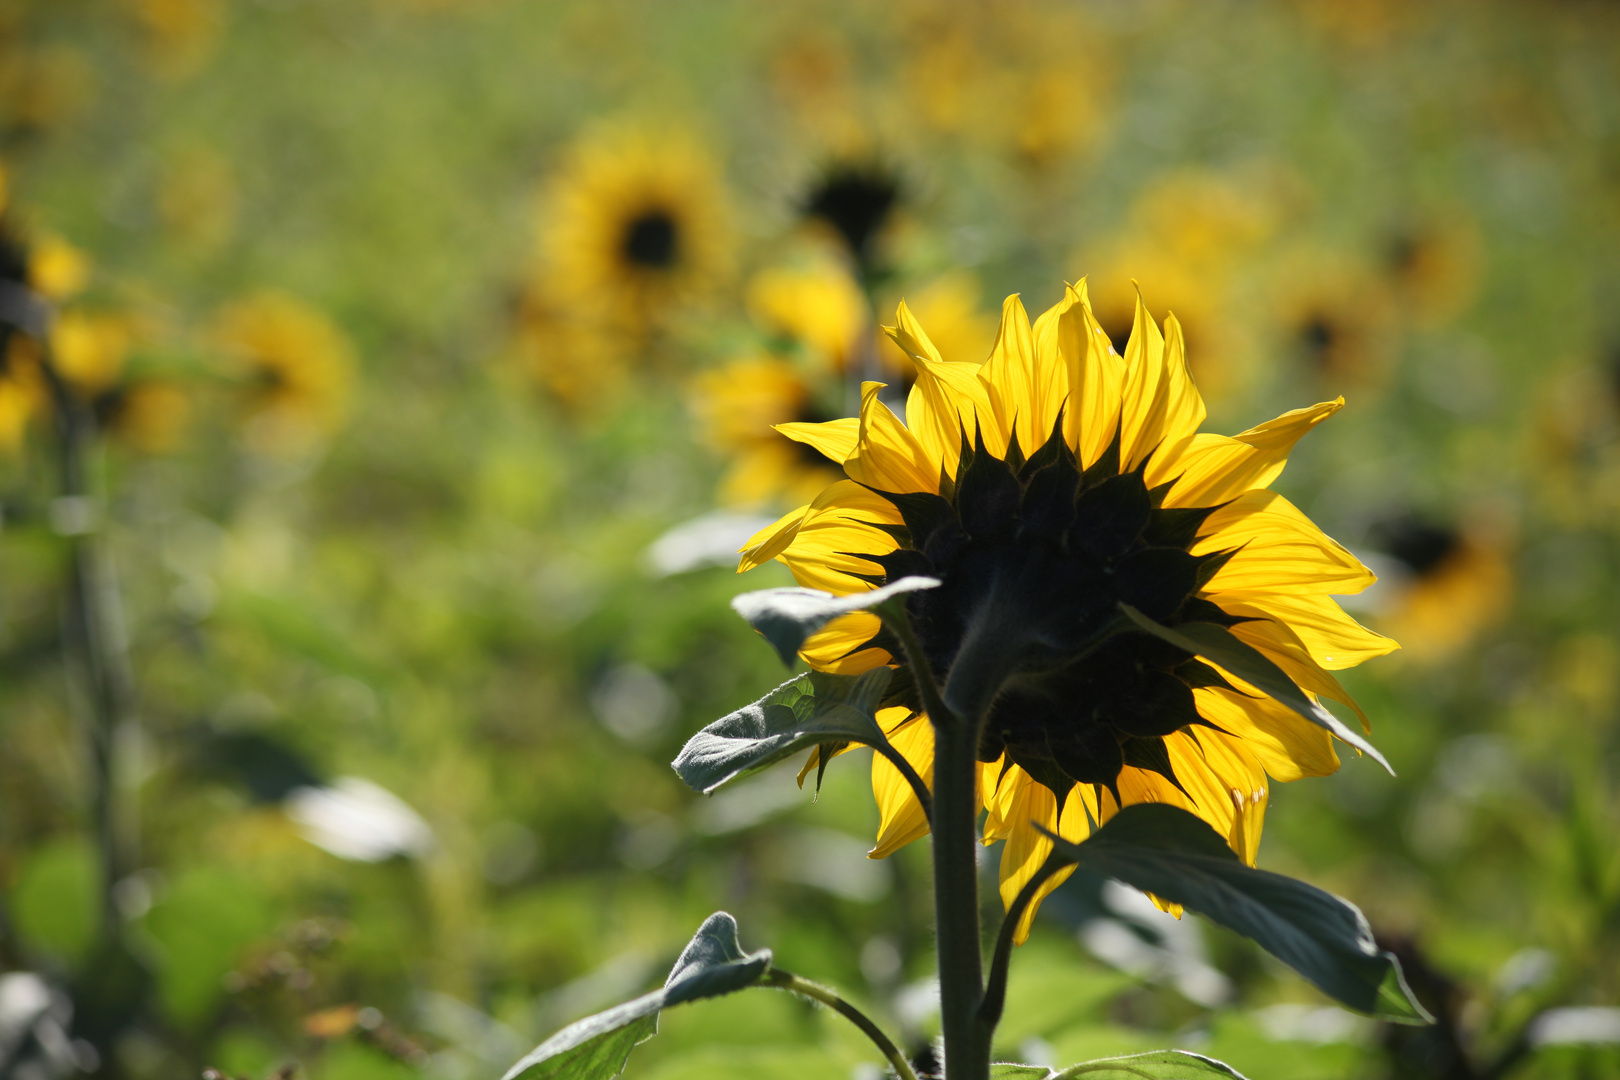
(956, 875)
(995, 991)
(786, 980)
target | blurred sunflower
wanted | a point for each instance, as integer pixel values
(1334, 319)
(55, 270)
(1434, 266)
(1451, 584)
(815, 305)
(579, 362)
(296, 369)
(635, 228)
(1048, 488)
(855, 202)
(91, 351)
(737, 406)
(1187, 239)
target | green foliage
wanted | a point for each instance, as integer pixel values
(199, 927)
(597, 1047)
(1166, 851)
(807, 710)
(53, 903)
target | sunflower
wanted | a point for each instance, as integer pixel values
(297, 368)
(736, 407)
(634, 228)
(949, 305)
(1335, 319)
(816, 306)
(1047, 488)
(1452, 584)
(856, 203)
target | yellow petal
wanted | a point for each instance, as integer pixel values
(836, 647)
(1213, 468)
(825, 550)
(1095, 374)
(1334, 639)
(1283, 647)
(945, 401)
(1285, 744)
(1025, 395)
(887, 456)
(901, 816)
(835, 438)
(1279, 549)
(1144, 397)
(911, 337)
(772, 540)
(1183, 405)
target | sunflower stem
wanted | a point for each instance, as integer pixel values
(792, 983)
(954, 827)
(995, 991)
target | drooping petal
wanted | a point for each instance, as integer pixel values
(772, 540)
(1285, 649)
(1212, 469)
(1277, 548)
(901, 816)
(834, 438)
(887, 456)
(1334, 639)
(836, 647)
(908, 333)
(1285, 744)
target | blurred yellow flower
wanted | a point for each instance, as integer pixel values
(818, 306)
(578, 361)
(179, 35)
(22, 391)
(634, 227)
(1435, 267)
(90, 348)
(1187, 237)
(1040, 527)
(56, 269)
(1335, 319)
(296, 368)
(1454, 584)
(737, 406)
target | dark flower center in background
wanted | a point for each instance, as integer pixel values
(1421, 546)
(1319, 335)
(855, 202)
(1039, 550)
(652, 240)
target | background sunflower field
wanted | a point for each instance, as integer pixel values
(424, 355)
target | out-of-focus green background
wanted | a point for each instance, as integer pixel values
(393, 431)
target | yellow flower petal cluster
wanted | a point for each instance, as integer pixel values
(1265, 570)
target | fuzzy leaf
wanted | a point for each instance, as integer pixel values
(1153, 1065)
(807, 710)
(1166, 851)
(597, 1047)
(788, 616)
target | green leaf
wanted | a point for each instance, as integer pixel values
(1011, 1070)
(806, 710)
(1154, 1065)
(1166, 851)
(597, 1047)
(1216, 643)
(787, 616)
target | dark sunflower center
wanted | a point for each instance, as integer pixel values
(1318, 335)
(651, 240)
(1418, 544)
(1045, 555)
(856, 203)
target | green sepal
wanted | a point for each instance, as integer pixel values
(808, 710)
(597, 1047)
(1220, 646)
(1176, 856)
